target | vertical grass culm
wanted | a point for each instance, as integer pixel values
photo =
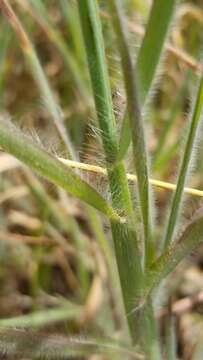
(94, 258)
(128, 259)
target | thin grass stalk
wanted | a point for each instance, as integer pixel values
(140, 157)
(171, 342)
(107, 251)
(176, 203)
(131, 177)
(22, 147)
(97, 229)
(37, 72)
(170, 122)
(70, 15)
(39, 13)
(102, 171)
(42, 318)
(149, 58)
(124, 235)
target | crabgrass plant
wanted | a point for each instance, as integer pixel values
(142, 265)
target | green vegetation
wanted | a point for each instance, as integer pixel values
(83, 249)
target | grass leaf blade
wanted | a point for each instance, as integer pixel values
(136, 126)
(176, 203)
(151, 49)
(176, 252)
(20, 146)
(149, 57)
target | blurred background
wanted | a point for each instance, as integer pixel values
(54, 256)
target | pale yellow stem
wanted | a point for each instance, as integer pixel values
(131, 177)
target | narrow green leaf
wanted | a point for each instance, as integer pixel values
(149, 58)
(47, 96)
(107, 251)
(22, 147)
(176, 204)
(136, 125)
(175, 253)
(150, 52)
(70, 14)
(42, 318)
(99, 77)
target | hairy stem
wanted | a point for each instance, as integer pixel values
(124, 235)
